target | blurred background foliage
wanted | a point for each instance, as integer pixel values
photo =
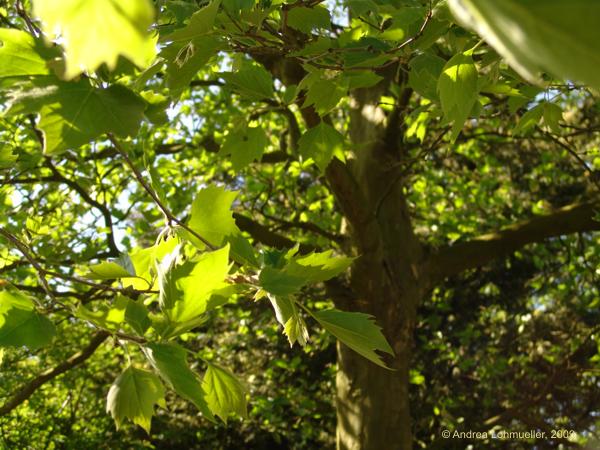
(513, 345)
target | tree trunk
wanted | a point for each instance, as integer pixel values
(373, 409)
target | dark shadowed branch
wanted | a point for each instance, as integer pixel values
(74, 360)
(454, 259)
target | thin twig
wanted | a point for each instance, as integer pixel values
(592, 175)
(166, 212)
(41, 272)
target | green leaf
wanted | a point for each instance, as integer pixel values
(224, 392)
(319, 266)
(425, 70)
(404, 22)
(109, 270)
(360, 7)
(21, 55)
(314, 47)
(74, 113)
(244, 146)
(307, 19)
(535, 36)
(287, 315)
(156, 109)
(301, 271)
(251, 81)
(185, 59)
(133, 396)
(7, 157)
(552, 116)
(211, 215)
(20, 324)
(321, 143)
(171, 363)
(144, 263)
(94, 32)
(136, 315)
(529, 120)
(200, 24)
(279, 282)
(234, 6)
(242, 251)
(324, 95)
(357, 330)
(361, 79)
(416, 377)
(295, 329)
(458, 90)
(105, 315)
(186, 288)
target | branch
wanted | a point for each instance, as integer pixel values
(26, 391)
(306, 226)
(43, 272)
(108, 223)
(454, 259)
(264, 235)
(26, 252)
(170, 217)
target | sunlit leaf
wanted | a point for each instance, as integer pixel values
(224, 392)
(108, 316)
(133, 396)
(457, 87)
(321, 143)
(211, 215)
(94, 32)
(171, 363)
(186, 288)
(22, 55)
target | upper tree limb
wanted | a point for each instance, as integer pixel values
(456, 258)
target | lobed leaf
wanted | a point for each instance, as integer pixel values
(133, 396)
(74, 113)
(356, 330)
(321, 143)
(95, 32)
(224, 392)
(171, 363)
(21, 324)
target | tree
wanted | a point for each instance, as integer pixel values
(120, 136)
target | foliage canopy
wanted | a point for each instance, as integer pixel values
(175, 172)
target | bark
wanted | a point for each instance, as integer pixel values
(373, 409)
